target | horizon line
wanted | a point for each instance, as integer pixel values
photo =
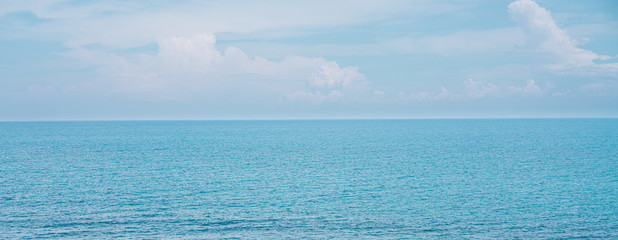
(306, 119)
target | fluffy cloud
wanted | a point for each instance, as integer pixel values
(331, 75)
(337, 82)
(542, 33)
(477, 89)
(194, 54)
(189, 64)
(530, 89)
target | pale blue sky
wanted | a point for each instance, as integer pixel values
(86, 60)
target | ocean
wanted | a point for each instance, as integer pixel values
(310, 179)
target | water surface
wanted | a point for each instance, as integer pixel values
(383, 179)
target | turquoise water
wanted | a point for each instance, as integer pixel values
(382, 179)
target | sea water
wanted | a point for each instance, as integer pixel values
(342, 179)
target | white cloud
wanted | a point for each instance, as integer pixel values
(444, 93)
(192, 54)
(477, 90)
(339, 83)
(190, 64)
(542, 33)
(530, 89)
(331, 75)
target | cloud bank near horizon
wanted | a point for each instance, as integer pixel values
(283, 62)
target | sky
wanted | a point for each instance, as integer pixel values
(318, 59)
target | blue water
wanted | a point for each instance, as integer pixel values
(382, 179)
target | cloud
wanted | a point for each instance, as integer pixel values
(124, 24)
(339, 83)
(188, 54)
(316, 97)
(606, 88)
(331, 75)
(530, 89)
(461, 42)
(186, 65)
(477, 90)
(415, 97)
(543, 34)
(444, 93)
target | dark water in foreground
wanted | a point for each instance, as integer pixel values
(536, 178)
